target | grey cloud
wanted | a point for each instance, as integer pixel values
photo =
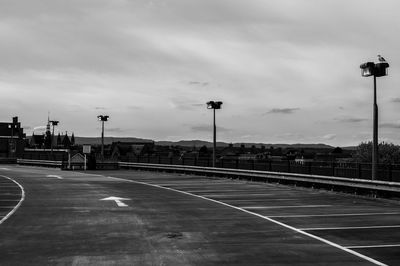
(329, 137)
(208, 128)
(115, 129)
(183, 103)
(351, 120)
(395, 100)
(203, 84)
(282, 110)
(390, 125)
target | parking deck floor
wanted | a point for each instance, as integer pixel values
(146, 218)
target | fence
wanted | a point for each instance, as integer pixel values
(390, 172)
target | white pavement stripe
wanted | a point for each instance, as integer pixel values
(7, 169)
(375, 246)
(265, 218)
(350, 227)
(279, 207)
(19, 203)
(234, 195)
(56, 176)
(334, 215)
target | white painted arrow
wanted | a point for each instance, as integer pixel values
(118, 201)
(56, 176)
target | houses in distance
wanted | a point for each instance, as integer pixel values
(15, 143)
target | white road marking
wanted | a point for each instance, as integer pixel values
(7, 169)
(278, 207)
(262, 217)
(375, 246)
(56, 176)
(333, 215)
(19, 203)
(350, 227)
(118, 201)
(234, 195)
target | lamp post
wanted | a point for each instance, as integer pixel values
(376, 70)
(53, 123)
(214, 105)
(102, 118)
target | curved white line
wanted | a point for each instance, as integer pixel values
(263, 217)
(19, 203)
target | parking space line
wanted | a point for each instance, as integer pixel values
(234, 195)
(334, 215)
(374, 246)
(350, 251)
(278, 207)
(350, 227)
(19, 203)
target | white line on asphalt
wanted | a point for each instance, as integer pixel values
(7, 169)
(265, 218)
(334, 215)
(19, 203)
(234, 195)
(56, 176)
(278, 207)
(375, 246)
(350, 227)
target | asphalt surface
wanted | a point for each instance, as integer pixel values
(54, 217)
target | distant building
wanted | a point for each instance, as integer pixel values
(12, 138)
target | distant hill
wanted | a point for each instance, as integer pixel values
(107, 140)
(198, 143)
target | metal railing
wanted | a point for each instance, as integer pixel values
(357, 186)
(386, 172)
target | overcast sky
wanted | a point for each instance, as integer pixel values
(287, 71)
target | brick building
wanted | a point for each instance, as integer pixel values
(12, 138)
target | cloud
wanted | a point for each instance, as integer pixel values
(200, 83)
(115, 129)
(351, 120)
(390, 125)
(395, 100)
(208, 128)
(329, 137)
(184, 103)
(282, 111)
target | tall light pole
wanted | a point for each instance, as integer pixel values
(53, 123)
(102, 118)
(214, 105)
(376, 70)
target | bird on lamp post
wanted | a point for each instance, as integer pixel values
(381, 59)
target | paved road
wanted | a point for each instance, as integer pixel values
(53, 217)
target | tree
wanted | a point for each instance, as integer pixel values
(388, 153)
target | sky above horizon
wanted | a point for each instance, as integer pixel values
(286, 71)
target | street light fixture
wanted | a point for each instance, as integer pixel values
(376, 70)
(102, 118)
(53, 123)
(214, 105)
